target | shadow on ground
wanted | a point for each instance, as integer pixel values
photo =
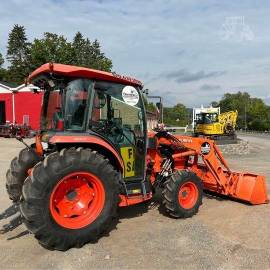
(13, 223)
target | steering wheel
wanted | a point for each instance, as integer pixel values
(118, 134)
(133, 133)
(99, 124)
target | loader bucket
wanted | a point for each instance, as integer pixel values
(250, 188)
(247, 187)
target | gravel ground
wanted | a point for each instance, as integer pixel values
(223, 235)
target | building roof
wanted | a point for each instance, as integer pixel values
(9, 84)
(4, 88)
(74, 71)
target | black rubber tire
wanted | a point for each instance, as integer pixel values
(17, 172)
(37, 190)
(171, 191)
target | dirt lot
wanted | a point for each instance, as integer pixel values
(224, 234)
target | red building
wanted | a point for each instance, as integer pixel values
(19, 105)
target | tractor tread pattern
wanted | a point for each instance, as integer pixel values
(34, 205)
(17, 172)
(171, 190)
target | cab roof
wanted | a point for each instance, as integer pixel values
(75, 71)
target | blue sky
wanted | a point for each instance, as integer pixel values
(188, 51)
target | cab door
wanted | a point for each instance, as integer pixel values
(123, 112)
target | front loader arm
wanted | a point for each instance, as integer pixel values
(206, 160)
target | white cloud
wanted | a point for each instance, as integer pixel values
(149, 38)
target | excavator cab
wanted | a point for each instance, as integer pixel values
(207, 118)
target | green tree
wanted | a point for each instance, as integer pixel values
(80, 52)
(18, 54)
(1, 60)
(24, 57)
(214, 104)
(51, 48)
(88, 54)
(79, 49)
(3, 72)
(253, 113)
(176, 116)
(240, 102)
(259, 113)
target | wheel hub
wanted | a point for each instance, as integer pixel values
(184, 194)
(188, 195)
(71, 195)
(77, 200)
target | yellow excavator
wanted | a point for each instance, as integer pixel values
(213, 124)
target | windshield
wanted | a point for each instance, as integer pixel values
(117, 112)
(69, 105)
(64, 106)
(77, 92)
(206, 118)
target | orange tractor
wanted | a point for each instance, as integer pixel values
(93, 155)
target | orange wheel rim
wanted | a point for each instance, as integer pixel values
(188, 195)
(77, 200)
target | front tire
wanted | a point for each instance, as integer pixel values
(17, 172)
(70, 199)
(182, 194)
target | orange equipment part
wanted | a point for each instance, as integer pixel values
(133, 199)
(203, 157)
(39, 148)
(75, 71)
(218, 178)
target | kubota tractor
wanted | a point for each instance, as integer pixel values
(93, 155)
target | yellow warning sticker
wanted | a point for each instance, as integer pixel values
(127, 154)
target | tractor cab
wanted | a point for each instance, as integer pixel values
(79, 109)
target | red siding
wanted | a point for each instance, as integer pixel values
(26, 103)
(7, 97)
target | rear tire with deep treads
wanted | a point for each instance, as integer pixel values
(39, 188)
(182, 194)
(17, 172)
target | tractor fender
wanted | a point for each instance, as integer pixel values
(92, 142)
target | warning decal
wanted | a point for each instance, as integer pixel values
(127, 154)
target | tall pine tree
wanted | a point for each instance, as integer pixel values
(18, 54)
(79, 50)
(24, 57)
(2, 70)
(1, 60)
(88, 54)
